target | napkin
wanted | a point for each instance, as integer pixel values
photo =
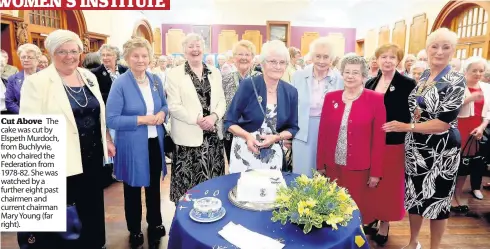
(245, 239)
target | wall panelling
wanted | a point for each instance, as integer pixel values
(418, 33)
(384, 35)
(399, 35)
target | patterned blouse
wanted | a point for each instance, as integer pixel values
(113, 75)
(203, 87)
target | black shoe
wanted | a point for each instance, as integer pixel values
(370, 229)
(155, 234)
(136, 240)
(381, 239)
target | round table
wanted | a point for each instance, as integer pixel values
(188, 234)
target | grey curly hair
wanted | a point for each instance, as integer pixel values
(352, 59)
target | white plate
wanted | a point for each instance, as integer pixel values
(207, 217)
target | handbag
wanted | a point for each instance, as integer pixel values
(51, 240)
(285, 166)
(471, 159)
(168, 143)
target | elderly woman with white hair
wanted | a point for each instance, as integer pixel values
(161, 69)
(29, 55)
(417, 69)
(422, 55)
(312, 83)
(136, 109)
(221, 60)
(197, 105)
(243, 52)
(373, 67)
(456, 64)
(473, 119)
(210, 60)
(72, 92)
(409, 60)
(262, 114)
(432, 143)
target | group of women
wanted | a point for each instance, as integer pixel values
(331, 116)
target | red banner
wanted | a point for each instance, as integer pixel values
(84, 4)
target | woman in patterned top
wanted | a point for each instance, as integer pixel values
(432, 143)
(263, 113)
(197, 104)
(243, 52)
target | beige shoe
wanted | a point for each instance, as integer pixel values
(419, 246)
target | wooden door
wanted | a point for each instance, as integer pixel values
(462, 51)
(38, 40)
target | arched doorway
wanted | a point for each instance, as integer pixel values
(469, 19)
(143, 29)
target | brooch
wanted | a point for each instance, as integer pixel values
(104, 73)
(335, 105)
(260, 99)
(89, 81)
(392, 88)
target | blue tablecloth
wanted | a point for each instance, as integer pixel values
(188, 234)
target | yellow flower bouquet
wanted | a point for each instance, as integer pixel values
(313, 202)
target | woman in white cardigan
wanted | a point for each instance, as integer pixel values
(472, 120)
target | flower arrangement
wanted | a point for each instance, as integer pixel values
(312, 202)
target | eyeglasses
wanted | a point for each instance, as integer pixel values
(66, 53)
(354, 73)
(275, 63)
(27, 58)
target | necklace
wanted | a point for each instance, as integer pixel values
(69, 90)
(140, 81)
(345, 98)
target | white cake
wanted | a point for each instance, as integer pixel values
(259, 186)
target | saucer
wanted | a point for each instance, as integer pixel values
(207, 217)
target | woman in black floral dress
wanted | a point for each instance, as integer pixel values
(197, 104)
(432, 142)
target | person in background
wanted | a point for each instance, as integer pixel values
(486, 75)
(417, 69)
(456, 64)
(136, 110)
(473, 119)
(373, 67)
(197, 104)
(109, 71)
(221, 61)
(395, 87)
(294, 56)
(8, 70)
(422, 55)
(43, 62)
(210, 60)
(312, 83)
(65, 89)
(432, 143)
(29, 58)
(161, 69)
(170, 62)
(228, 66)
(243, 52)
(308, 59)
(408, 62)
(263, 113)
(351, 121)
(3, 88)
(91, 61)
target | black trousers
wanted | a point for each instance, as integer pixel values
(132, 195)
(227, 144)
(86, 192)
(476, 175)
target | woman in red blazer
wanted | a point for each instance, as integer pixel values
(351, 141)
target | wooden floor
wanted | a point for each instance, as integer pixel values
(462, 232)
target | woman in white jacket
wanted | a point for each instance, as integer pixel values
(472, 120)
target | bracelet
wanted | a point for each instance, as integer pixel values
(280, 137)
(217, 118)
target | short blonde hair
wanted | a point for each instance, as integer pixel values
(137, 42)
(390, 47)
(293, 52)
(245, 44)
(442, 34)
(59, 37)
(29, 47)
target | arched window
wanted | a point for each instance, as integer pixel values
(46, 18)
(471, 25)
